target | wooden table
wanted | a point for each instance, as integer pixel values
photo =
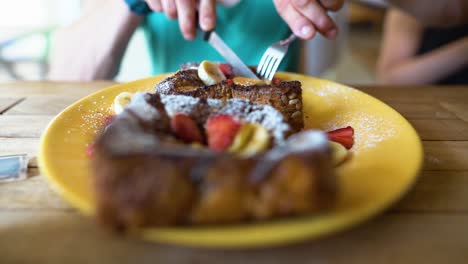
(430, 225)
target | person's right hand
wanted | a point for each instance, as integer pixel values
(306, 17)
(185, 11)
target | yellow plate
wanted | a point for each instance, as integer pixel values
(378, 174)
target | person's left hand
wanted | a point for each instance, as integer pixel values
(306, 17)
(185, 12)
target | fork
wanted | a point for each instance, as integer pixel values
(273, 56)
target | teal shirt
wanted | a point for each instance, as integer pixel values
(248, 27)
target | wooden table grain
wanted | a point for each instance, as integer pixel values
(429, 225)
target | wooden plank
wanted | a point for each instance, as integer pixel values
(6, 102)
(33, 126)
(446, 155)
(12, 146)
(32, 194)
(25, 89)
(23, 125)
(441, 129)
(418, 94)
(421, 110)
(411, 94)
(437, 191)
(62, 237)
(33, 171)
(459, 109)
(43, 105)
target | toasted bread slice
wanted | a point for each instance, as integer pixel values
(285, 96)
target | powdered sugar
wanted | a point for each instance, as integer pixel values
(369, 129)
(265, 115)
(307, 140)
(328, 90)
(201, 110)
(164, 87)
(180, 104)
(369, 134)
(330, 93)
(142, 108)
(126, 134)
(93, 120)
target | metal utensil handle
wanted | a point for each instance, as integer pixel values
(289, 40)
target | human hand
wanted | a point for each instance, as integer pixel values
(185, 11)
(306, 17)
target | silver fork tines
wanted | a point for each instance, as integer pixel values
(273, 56)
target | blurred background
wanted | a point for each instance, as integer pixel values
(25, 42)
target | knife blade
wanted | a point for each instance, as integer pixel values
(238, 66)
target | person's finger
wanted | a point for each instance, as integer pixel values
(155, 5)
(300, 25)
(186, 15)
(169, 8)
(315, 13)
(207, 14)
(332, 5)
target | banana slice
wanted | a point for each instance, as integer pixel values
(242, 138)
(121, 101)
(247, 81)
(259, 141)
(210, 73)
(339, 153)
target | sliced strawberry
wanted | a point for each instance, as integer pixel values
(344, 136)
(226, 69)
(347, 142)
(276, 81)
(90, 150)
(342, 132)
(186, 129)
(221, 131)
(108, 120)
(229, 81)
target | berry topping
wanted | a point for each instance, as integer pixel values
(344, 136)
(226, 69)
(108, 120)
(90, 150)
(221, 131)
(276, 81)
(186, 129)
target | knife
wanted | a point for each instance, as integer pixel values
(238, 66)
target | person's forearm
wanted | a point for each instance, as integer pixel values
(92, 48)
(436, 13)
(427, 68)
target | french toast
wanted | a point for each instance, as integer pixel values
(212, 149)
(284, 96)
(145, 176)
